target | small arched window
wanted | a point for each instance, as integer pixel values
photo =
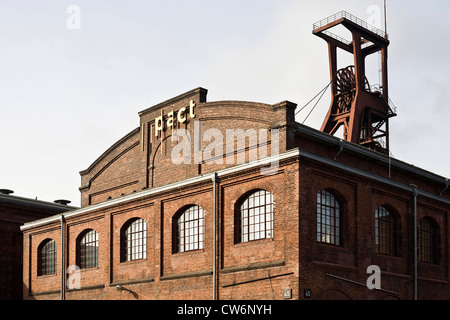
(255, 217)
(47, 257)
(385, 232)
(328, 218)
(427, 238)
(134, 240)
(190, 229)
(87, 249)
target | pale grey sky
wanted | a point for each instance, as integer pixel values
(66, 95)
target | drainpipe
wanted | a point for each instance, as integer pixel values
(415, 238)
(214, 180)
(62, 257)
(341, 148)
(447, 183)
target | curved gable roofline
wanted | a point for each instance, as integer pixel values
(111, 149)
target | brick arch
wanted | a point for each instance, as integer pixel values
(336, 194)
(129, 221)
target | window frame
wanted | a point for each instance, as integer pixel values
(335, 218)
(133, 240)
(47, 262)
(189, 224)
(254, 219)
(433, 243)
(87, 259)
(388, 225)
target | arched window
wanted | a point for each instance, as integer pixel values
(87, 249)
(190, 229)
(134, 240)
(255, 217)
(47, 257)
(427, 238)
(328, 219)
(385, 232)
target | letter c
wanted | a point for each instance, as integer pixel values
(180, 117)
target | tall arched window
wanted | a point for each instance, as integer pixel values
(87, 249)
(255, 217)
(328, 219)
(427, 238)
(190, 229)
(47, 257)
(134, 240)
(385, 232)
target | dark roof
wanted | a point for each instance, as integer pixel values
(35, 204)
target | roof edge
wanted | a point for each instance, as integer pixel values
(300, 128)
(261, 162)
(110, 149)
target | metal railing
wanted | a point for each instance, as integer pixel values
(379, 88)
(348, 16)
(336, 37)
(392, 106)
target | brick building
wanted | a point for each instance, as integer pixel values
(14, 212)
(302, 215)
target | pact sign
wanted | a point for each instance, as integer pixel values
(180, 116)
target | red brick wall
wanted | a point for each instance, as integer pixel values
(46, 283)
(292, 259)
(186, 275)
(141, 160)
(360, 198)
(14, 212)
(115, 173)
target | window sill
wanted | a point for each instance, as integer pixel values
(388, 256)
(197, 251)
(47, 275)
(430, 264)
(331, 245)
(253, 242)
(90, 269)
(253, 266)
(133, 261)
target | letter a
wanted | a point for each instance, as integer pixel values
(374, 281)
(74, 279)
(181, 152)
(74, 20)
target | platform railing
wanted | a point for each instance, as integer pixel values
(348, 16)
(336, 37)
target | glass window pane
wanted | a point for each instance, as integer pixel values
(135, 240)
(328, 218)
(47, 258)
(253, 220)
(190, 229)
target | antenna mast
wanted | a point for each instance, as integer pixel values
(385, 20)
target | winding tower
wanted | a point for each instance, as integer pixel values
(363, 110)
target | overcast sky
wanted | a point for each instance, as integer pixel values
(74, 74)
